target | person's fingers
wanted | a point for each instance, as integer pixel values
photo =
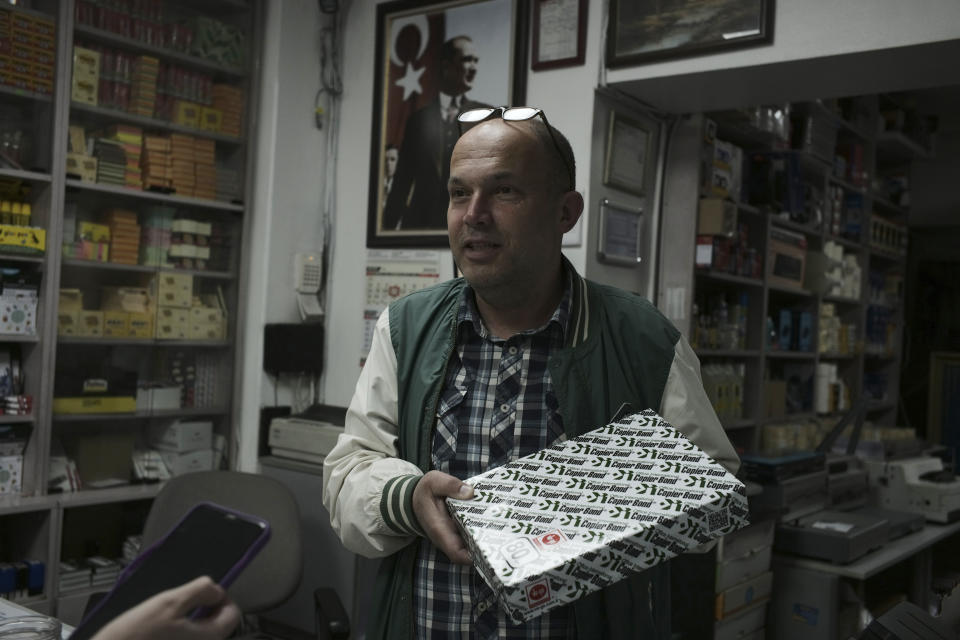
(221, 621)
(431, 512)
(199, 592)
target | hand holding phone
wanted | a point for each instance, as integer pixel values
(166, 615)
(210, 540)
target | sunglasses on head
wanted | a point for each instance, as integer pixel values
(515, 114)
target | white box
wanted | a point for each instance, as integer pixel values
(751, 539)
(189, 462)
(19, 311)
(576, 517)
(742, 625)
(179, 436)
(730, 572)
(159, 397)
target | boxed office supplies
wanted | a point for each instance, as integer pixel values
(576, 517)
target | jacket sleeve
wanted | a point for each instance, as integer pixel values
(685, 405)
(367, 489)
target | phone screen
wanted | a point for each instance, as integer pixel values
(208, 541)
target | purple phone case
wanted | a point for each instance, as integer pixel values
(228, 578)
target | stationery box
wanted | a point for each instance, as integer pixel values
(116, 324)
(190, 462)
(89, 323)
(576, 517)
(750, 539)
(172, 289)
(129, 299)
(140, 325)
(82, 165)
(743, 625)
(206, 331)
(717, 217)
(180, 436)
(173, 323)
(18, 311)
(158, 396)
(735, 570)
(68, 323)
(742, 595)
(210, 315)
(786, 258)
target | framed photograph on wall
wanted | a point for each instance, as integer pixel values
(559, 33)
(642, 31)
(433, 61)
(618, 240)
(628, 147)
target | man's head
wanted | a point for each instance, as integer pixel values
(458, 65)
(390, 156)
(510, 204)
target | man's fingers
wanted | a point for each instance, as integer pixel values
(221, 621)
(200, 592)
(431, 510)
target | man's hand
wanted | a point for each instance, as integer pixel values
(165, 615)
(431, 511)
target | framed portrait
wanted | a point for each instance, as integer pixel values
(642, 31)
(559, 33)
(433, 61)
(628, 146)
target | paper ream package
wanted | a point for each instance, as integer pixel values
(551, 527)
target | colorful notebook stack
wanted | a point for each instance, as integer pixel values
(131, 138)
(155, 237)
(124, 236)
(184, 176)
(229, 100)
(157, 163)
(205, 170)
(111, 162)
(143, 87)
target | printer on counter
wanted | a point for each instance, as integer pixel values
(308, 436)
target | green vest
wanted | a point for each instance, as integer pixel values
(618, 349)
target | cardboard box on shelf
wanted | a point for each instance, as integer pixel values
(182, 436)
(172, 289)
(90, 324)
(116, 324)
(156, 396)
(190, 462)
(173, 323)
(571, 519)
(717, 217)
(129, 299)
(140, 325)
(68, 323)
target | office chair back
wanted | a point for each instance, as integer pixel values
(274, 573)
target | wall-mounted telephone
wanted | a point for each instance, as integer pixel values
(307, 279)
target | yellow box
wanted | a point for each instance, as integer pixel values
(26, 239)
(116, 324)
(206, 315)
(186, 113)
(70, 300)
(210, 118)
(94, 232)
(207, 331)
(141, 325)
(129, 299)
(82, 165)
(173, 323)
(68, 323)
(171, 289)
(86, 75)
(97, 404)
(90, 324)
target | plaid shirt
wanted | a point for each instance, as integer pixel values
(497, 405)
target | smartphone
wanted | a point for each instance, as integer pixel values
(210, 540)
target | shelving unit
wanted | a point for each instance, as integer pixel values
(863, 194)
(39, 521)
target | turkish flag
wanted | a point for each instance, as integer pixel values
(415, 48)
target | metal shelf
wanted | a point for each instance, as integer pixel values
(151, 195)
(140, 415)
(25, 95)
(727, 353)
(108, 37)
(141, 342)
(80, 263)
(790, 225)
(125, 493)
(20, 257)
(794, 291)
(104, 114)
(837, 356)
(737, 424)
(720, 276)
(18, 338)
(847, 186)
(28, 176)
(842, 300)
(8, 419)
(791, 355)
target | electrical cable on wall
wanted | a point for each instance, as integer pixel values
(327, 115)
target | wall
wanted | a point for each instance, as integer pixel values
(290, 168)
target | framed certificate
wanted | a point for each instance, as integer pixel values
(559, 33)
(619, 234)
(627, 150)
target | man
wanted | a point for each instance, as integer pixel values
(418, 196)
(475, 372)
(390, 156)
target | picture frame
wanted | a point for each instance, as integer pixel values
(619, 234)
(472, 49)
(559, 34)
(627, 153)
(642, 31)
